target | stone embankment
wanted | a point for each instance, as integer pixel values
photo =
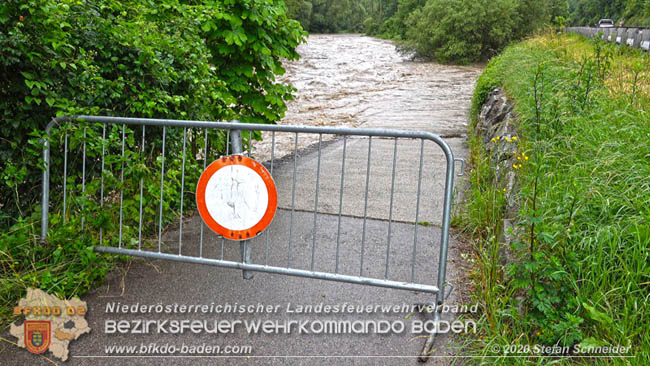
(497, 123)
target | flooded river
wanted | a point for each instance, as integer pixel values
(352, 80)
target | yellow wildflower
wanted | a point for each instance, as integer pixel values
(493, 140)
(514, 138)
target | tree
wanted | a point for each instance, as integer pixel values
(209, 60)
(461, 31)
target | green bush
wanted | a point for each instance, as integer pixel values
(206, 60)
(461, 31)
(201, 60)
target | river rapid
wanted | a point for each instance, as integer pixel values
(351, 80)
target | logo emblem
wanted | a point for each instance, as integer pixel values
(38, 334)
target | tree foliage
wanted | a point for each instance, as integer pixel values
(208, 60)
(330, 16)
(464, 31)
(632, 13)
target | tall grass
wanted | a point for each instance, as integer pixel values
(581, 273)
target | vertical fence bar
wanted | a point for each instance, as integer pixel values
(235, 141)
(205, 162)
(266, 253)
(180, 228)
(313, 242)
(446, 220)
(83, 183)
(122, 187)
(293, 198)
(250, 147)
(338, 233)
(65, 176)
(45, 192)
(417, 211)
(390, 210)
(141, 194)
(162, 180)
(227, 142)
(365, 206)
(101, 191)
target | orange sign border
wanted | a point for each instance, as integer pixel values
(270, 187)
(46, 338)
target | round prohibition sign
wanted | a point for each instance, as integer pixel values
(236, 197)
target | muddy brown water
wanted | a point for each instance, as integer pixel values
(351, 80)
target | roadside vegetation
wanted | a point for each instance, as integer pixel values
(202, 60)
(580, 249)
(632, 13)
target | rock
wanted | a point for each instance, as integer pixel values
(496, 109)
(497, 125)
(506, 237)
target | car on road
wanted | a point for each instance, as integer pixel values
(605, 23)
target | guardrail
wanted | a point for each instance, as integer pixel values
(631, 37)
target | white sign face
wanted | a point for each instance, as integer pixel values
(645, 45)
(236, 197)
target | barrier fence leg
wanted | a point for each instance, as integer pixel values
(244, 246)
(428, 344)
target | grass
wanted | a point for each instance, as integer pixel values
(67, 266)
(582, 239)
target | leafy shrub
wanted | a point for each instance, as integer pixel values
(205, 60)
(202, 60)
(461, 31)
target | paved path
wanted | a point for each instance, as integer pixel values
(153, 282)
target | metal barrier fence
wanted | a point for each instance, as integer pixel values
(327, 198)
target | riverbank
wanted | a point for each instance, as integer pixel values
(575, 269)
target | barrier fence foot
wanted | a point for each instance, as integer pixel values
(428, 344)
